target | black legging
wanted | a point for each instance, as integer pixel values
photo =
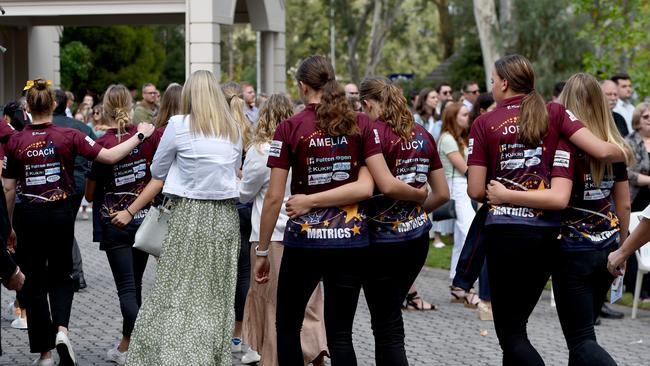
(519, 259)
(300, 271)
(244, 262)
(580, 283)
(44, 253)
(390, 271)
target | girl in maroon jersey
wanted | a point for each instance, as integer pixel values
(515, 144)
(41, 158)
(590, 225)
(120, 184)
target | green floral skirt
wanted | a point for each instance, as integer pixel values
(188, 317)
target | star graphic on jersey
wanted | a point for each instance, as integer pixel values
(396, 224)
(326, 223)
(356, 230)
(350, 212)
(304, 227)
(312, 217)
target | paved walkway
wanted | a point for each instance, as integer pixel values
(449, 336)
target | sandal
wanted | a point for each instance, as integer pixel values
(472, 300)
(412, 303)
(469, 299)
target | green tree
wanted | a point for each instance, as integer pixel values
(172, 38)
(617, 33)
(119, 54)
(76, 64)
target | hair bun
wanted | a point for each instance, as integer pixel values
(40, 84)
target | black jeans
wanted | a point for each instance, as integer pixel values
(519, 259)
(580, 283)
(128, 265)
(300, 271)
(45, 232)
(244, 262)
(390, 271)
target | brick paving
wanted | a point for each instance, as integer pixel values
(449, 336)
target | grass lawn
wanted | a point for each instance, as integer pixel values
(441, 258)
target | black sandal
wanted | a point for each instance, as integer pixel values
(413, 304)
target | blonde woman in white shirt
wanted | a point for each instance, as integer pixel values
(259, 312)
(188, 317)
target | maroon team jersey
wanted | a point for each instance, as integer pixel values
(122, 182)
(494, 144)
(589, 222)
(410, 161)
(41, 157)
(6, 131)
(320, 162)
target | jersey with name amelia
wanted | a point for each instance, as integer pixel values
(41, 157)
(410, 161)
(320, 162)
(494, 144)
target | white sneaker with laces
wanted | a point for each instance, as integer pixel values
(19, 323)
(43, 362)
(251, 357)
(116, 356)
(235, 345)
(64, 348)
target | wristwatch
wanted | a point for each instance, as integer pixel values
(140, 136)
(261, 253)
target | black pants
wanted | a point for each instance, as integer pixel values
(580, 283)
(390, 271)
(519, 259)
(46, 233)
(300, 271)
(127, 265)
(244, 262)
(77, 262)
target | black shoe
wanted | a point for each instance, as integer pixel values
(608, 313)
(82, 282)
(597, 322)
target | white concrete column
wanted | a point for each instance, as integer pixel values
(202, 37)
(273, 62)
(43, 53)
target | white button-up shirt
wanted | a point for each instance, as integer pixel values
(195, 166)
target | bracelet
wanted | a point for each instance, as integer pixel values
(127, 210)
(261, 253)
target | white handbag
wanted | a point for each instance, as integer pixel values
(153, 230)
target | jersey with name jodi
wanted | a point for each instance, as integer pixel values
(122, 182)
(410, 161)
(494, 144)
(589, 222)
(41, 157)
(320, 162)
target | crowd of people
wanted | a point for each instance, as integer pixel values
(282, 212)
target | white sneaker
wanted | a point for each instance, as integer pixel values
(64, 348)
(438, 244)
(235, 345)
(44, 361)
(250, 357)
(116, 356)
(19, 323)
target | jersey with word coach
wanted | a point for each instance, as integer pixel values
(589, 223)
(320, 162)
(41, 157)
(493, 143)
(411, 162)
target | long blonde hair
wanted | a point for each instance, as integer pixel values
(394, 110)
(117, 105)
(204, 102)
(275, 110)
(232, 93)
(583, 96)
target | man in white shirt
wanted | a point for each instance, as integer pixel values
(470, 94)
(624, 106)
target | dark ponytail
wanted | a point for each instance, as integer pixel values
(39, 97)
(334, 115)
(533, 116)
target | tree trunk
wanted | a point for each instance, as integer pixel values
(355, 29)
(489, 34)
(383, 18)
(447, 35)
